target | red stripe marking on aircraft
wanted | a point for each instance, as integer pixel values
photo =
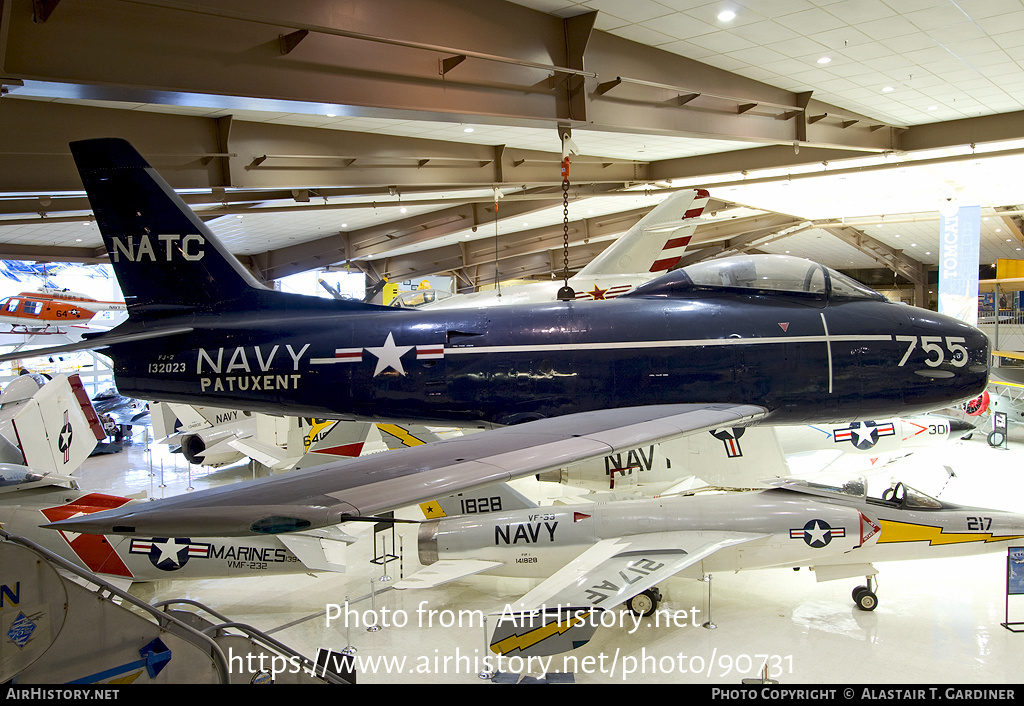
(665, 264)
(677, 243)
(350, 450)
(93, 549)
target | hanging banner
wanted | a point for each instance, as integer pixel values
(960, 239)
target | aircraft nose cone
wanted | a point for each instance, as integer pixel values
(951, 356)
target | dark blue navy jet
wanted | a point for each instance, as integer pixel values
(728, 342)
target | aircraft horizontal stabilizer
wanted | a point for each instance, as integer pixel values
(319, 550)
(58, 428)
(442, 572)
(96, 343)
(332, 493)
(267, 454)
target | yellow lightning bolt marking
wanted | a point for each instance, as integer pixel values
(529, 639)
(893, 532)
(401, 434)
(432, 509)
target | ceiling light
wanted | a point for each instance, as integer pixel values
(402, 209)
(933, 107)
(888, 89)
(467, 129)
(332, 115)
(237, 216)
(726, 16)
(824, 59)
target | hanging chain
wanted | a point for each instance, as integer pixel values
(497, 279)
(566, 292)
(565, 231)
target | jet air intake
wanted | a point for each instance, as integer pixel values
(427, 542)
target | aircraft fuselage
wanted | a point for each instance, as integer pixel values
(803, 356)
(797, 530)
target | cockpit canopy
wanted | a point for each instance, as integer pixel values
(856, 488)
(777, 273)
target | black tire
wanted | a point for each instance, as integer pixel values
(866, 600)
(858, 590)
(996, 438)
(644, 604)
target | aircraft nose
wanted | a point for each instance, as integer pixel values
(948, 352)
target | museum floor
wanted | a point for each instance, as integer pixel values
(938, 621)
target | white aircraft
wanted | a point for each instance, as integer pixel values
(1004, 394)
(652, 247)
(29, 499)
(212, 436)
(593, 557)
(47, 431)
(47, 426)
(741, 457)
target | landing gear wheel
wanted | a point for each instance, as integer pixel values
(644, 604)
(865, 599)
(996, 438)
(858, 590)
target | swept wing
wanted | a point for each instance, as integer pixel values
(334, 493)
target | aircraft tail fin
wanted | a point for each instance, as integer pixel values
(657, 241)
(493, 498)
(58, 428)
(166, 259)
(325, 440)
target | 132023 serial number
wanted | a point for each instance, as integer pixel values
(166, 368)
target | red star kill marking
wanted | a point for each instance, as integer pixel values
(597, 292)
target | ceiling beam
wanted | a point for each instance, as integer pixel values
(892, 258)
(35, 253)
(194, 152)
(1013, 223)
(514, 253)
(514, 66)
(741, 235)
